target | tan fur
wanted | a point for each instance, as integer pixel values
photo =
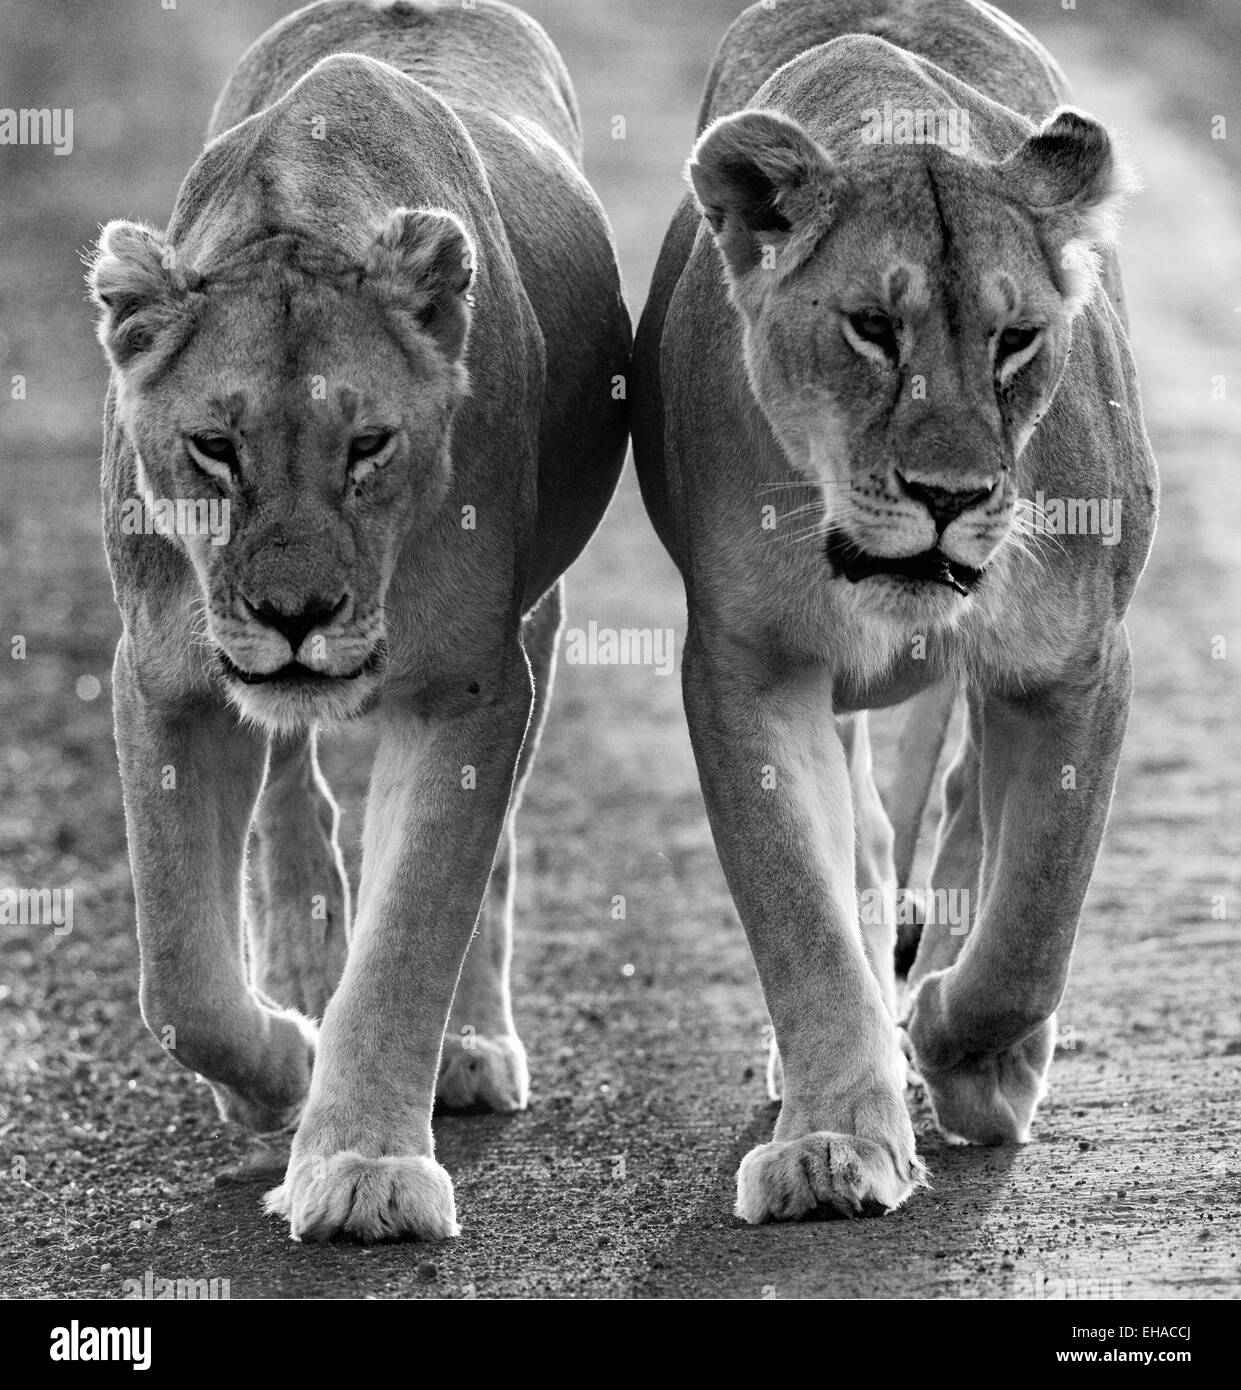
(827, 333)
(383, 327)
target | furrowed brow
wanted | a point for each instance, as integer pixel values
(1000, 295)
(226, 411)
(906, 286)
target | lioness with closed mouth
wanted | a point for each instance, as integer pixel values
(385, 326)
(859, 356)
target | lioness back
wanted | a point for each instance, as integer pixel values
(968, 38)
(487, 56)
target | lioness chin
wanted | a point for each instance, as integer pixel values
(380, 339)
(885, 324)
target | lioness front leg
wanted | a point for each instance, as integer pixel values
(983, 1029)
(874, 874)
(191, 773)
(363, 1161)
(299, 919)
(483, 1065)
(776, 785)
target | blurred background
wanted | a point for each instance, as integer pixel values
(141, 80)
(645, 1033)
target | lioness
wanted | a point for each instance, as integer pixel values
(384, 330)
(871, 350)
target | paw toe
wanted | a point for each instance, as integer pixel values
(822, 1173)
(367, 1199)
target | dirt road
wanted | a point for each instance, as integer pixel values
(645, 1033)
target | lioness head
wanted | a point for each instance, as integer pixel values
(907, 315)
(311, 394)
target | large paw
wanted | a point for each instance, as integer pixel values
(483, 1073)
(368, 1199)
(792, 1179)
(273, 1100)
(978, 1097)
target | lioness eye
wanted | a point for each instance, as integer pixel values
(1016, 340)
(874, 326)
(215, 448)
(368, 445)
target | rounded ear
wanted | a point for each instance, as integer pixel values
(423, 260)
(767, 189)
(1074, 182)
(140, 290)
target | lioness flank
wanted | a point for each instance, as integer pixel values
(887, 319)
(385, 328)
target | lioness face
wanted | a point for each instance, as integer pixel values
(311, 403)
(906, 326)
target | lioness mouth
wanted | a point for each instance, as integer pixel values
(294, 673)
(930, 567)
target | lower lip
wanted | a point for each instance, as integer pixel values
(297, 676)
(919, 581)
(940, 573)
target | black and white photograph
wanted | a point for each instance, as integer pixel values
(618, 662)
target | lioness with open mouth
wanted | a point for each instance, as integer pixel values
(385, 328)
(870, 343)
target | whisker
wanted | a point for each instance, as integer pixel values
(821, 484)
(819, 506)
(1020, 545)
(800, 536)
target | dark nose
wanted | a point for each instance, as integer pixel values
(296, 627)
(944, 504)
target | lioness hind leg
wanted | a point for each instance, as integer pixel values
(991, 1097)
(951, 905)
(299, 893)
(483, 1065)
(874, 866)
(983, 1028)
